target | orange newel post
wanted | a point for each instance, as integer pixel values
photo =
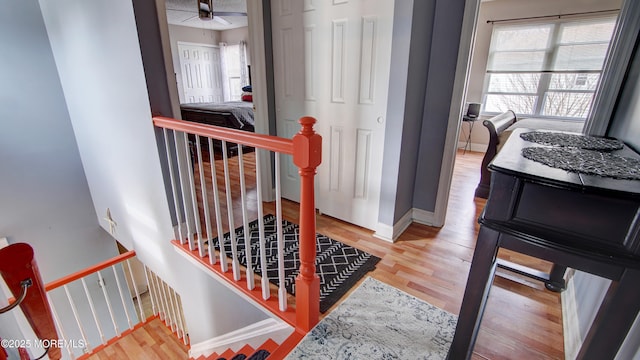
(307, 155)
(17, 266)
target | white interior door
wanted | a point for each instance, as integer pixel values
(289, 78)
(344, 50)
(201, 73)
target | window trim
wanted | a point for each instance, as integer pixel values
(551, 52)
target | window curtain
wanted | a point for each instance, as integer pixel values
(244, 73)
(224, 55)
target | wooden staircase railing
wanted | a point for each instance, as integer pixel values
(20, 272)
(124, 315)
(188, 171)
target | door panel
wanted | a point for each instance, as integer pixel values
(201, 73)
(343, 82)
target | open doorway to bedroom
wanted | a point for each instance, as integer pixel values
(541, 59)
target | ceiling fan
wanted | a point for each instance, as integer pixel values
(206, 12)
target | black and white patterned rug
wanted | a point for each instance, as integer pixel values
(338, 265)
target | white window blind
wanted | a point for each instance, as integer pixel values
(546, 69)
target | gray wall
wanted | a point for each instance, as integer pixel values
(445, 40)
(45, 197)
(425, 51)
(101, 70)
(625, 123)
(411, 48)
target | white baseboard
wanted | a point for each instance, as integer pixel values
(390, 233)
(570, 324)
(424, 217)
(253, 335)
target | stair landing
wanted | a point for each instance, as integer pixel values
(151, 341)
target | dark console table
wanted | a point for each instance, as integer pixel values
(587, 222)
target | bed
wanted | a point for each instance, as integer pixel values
(234, 115)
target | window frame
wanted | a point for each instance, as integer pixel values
(551, 52)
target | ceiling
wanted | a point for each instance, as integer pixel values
(185, 13)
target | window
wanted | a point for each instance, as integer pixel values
(546, 69)
(234, 70)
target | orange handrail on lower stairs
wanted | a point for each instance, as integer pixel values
(17, 266)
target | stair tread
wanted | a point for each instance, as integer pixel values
(226, 355)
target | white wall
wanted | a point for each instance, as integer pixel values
(510, 9)
(234, 36)
(100, 67)
(46, 200)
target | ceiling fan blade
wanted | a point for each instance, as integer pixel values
(220, 20)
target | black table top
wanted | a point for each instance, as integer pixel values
(511, 161)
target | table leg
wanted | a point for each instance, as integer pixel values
(483, 267)
(556, 281)
(614, 319)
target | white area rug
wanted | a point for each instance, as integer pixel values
(378, 321)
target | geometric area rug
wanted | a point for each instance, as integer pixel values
(378, 321)
(339, 266)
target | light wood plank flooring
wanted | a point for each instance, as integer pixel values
(522, 319)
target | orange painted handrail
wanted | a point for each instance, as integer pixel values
(306, 148)
(90, 270)
(267, 142)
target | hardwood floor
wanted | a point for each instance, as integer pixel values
(523, 320)
(154, 341)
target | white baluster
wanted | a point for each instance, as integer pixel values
(103, 285)
(60, 328)
(135, 289)
(169, 308)
(163, 312)
(93, 311)
(183, 187)
(174, 188)
(216, 201)
(194, 197)
(170, 294)
(235, 264)
(266, 293)
(282, 291)
(245, 222)
(205, 203)
(153, 303)
(124, 304)
(75, 314)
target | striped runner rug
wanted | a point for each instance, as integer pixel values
(338, 265)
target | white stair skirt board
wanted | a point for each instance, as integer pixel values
(253, 335)
(391, 233)
(570, 323)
